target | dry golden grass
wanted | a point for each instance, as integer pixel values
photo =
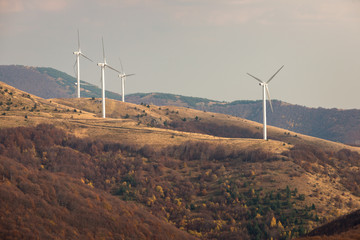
(87, 121)
(129, 129)
(88, 116)
(116, 109)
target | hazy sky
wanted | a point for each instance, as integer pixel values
(200, 48)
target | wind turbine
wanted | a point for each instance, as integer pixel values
(123, 76)
(103, 65)
(78, 53)
(266, 93)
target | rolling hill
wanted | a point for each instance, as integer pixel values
(48, 82)
(42, 197)
(331, 124)
(187, 171)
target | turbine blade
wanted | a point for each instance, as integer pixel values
(86, 57)
(75, 69)
(255, 78)
(131, 74)
(103, 48)
(78, 40)
(268, 95)
(112, 68)
(122, 69)
(274, 75)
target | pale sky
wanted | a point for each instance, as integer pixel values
(199, 48)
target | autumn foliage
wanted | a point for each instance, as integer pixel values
(46, 192)
(55, 185)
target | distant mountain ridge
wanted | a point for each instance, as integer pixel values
(331, 124)
(48, 82)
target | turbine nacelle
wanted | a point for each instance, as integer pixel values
(123, 75)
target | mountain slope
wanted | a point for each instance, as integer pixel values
(32, 81)
(48, 82)
(344, 227)
(206, 173)
(42, 199)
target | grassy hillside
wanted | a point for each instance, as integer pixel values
(331, 124)
(204, 173)
(163, 99)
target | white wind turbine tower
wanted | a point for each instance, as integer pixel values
(123, 76)
(103, 65)
(78, 53)
(266, 94)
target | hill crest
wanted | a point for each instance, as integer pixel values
(331, 124)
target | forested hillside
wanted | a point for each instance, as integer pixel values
(60, 179)
(51, 188)
(343, 228)
(187, 171)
